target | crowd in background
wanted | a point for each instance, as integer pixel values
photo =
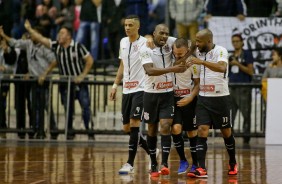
(98, 24)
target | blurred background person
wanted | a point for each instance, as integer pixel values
(241, 71)
(8, 58)
(186, 13)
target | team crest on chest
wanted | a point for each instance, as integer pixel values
(166, 48)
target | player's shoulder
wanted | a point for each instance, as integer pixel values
(219, 48)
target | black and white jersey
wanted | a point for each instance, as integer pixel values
(161, 57)
(70, 59)
(183, 83)
(213, 83)
(133, 72)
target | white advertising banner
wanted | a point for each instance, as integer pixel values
(274, 112)
(258, 33)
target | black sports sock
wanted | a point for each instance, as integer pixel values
(166, 145)
(201, 149)
(132, 147)
(193, 144)
(143, 143)
(230, 147)
(152, 145)
(179, 146)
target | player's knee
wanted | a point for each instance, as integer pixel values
(176, 129)
(203, 131)
(165, 129)
(226, 132)
(192, 133)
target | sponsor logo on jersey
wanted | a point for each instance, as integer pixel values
(207, 88)
(130, 85)
(164, 85)
(181, 92)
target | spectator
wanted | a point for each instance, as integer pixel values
(141, 9)
(260, 8)
(89, 22)
(38, 58)
(278, 13)
(8, 59)
(114, 14)
(241, 71)
(157, 13)
(274, 70)
(77, 66)
(186, 14)
(6, 15)
(230, 8)
(76, 21)
(66, 14)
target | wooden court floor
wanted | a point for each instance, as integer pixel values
(98, 163)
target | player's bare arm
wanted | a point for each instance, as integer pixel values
(220, 66)
(152, 71)
(118, 79)
(195, 91)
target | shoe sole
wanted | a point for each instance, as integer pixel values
(181, 172)
(202, 176)
(191, 175)
(124, 172)
(154, 174)
(164, 172)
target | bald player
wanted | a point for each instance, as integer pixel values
(158, 95)
(133, 75)
(213, 108)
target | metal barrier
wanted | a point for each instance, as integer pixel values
(105, 115)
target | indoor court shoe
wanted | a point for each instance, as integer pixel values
(126, 169)
(154, 171)
(201, 173)
(164, 170)
(191, 173)
(233, 170)
(183, 167)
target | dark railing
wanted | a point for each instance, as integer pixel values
(106, 114)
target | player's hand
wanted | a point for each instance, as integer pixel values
(113, 94)
(184, 101)
(150, 42)
(196, 61)
(179, 68)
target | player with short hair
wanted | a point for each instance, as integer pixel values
(213, 106)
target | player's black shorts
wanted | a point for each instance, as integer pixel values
(158, 106)
(185, 115)
(214, 111)
(132, 106)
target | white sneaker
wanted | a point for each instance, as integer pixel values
(157, 156)
(126, 169)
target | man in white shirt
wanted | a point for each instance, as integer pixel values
(186, 89)
(213, 106)
(133, 75)
(158, 95)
